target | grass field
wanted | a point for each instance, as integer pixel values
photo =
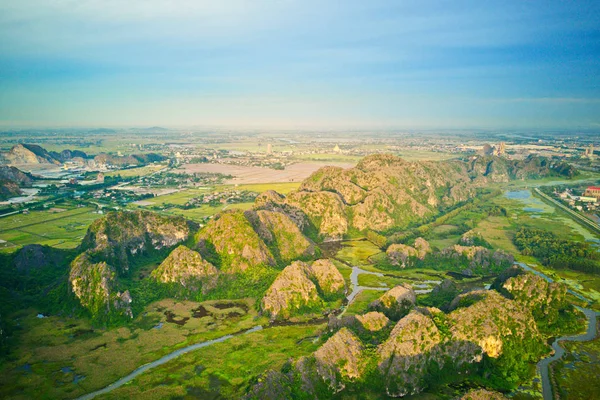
(576, 373)
(61, 357)
(361, 302)
(357, 252)
(58, 229)
(224, 370)
(280, 187)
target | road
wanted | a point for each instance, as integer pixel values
(580, 218)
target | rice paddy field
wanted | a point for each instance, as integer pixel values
(61, 227)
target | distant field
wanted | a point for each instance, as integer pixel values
(330, 158)
(250, 175)
(141, 171)
(62, 230)
(283, 188)
(423, 155)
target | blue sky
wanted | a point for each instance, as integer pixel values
(300, 64)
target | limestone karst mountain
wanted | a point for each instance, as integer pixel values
(119, 236)
(303, 287)
(187, 268)
(483, 327)
(384, 191)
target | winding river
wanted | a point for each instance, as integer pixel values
(544, 364)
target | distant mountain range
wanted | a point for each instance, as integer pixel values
(31, 154)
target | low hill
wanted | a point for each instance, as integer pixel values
(11, 181)
(23, 154)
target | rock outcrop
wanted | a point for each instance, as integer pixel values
(188, 268)
(325, 210)
(124, 234)
(94, 286)
(237, 244)
(404, 357)
(544, 299)
(29, 154)
(287, 238)
(373, 321)
(425, 342)
(301, 286)
(396, 302)
(404, 256)
(328, 278)
(292, 290)
(384, 191)
(480, 259)
(340, 356)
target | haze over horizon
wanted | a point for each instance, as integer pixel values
(301, 64)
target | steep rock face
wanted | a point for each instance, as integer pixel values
(325, 210)
(188, 268)
(329, 280)
(301, 285)
(236, 242)
(23, 154)
(340, 356)
(94, 285)
(291, 291)
(123, 234)
(373, 321)
(273, 201)
(338, 180)
(286, 236)
(405, 355)
(395, 302)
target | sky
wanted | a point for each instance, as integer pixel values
(301, 63)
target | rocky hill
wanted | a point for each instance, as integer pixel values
(235, 240)
(122, 235)
(27, 154)
(485, 331)
(301, 287)
(94, 285)
(384, 191)
(188, 268)
(107, 253)
(11, 181)
(544, 299)
(396, 302)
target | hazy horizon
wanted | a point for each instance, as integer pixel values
(300, 64)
